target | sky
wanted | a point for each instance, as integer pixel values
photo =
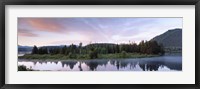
(65, 31)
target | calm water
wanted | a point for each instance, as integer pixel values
(164, 63)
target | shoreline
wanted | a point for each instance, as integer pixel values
(48, 57)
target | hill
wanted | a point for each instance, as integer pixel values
(170, 39)
(24, 48)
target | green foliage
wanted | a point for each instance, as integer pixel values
(23, 68)
(42, 50)
(98, 50)
(72, 56)
(123, 54)
(93, 53)
(63, 50)
(84, 56)
(151, 47)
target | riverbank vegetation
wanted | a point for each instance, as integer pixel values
(97, 51)
(84, 56)
(23, 68)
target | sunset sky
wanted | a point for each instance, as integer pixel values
(65, 31)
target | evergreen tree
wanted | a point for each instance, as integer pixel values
(34, 50)
(63, 49)
(80, 47)
(42, 50)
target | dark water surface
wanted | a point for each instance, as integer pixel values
(163, 63)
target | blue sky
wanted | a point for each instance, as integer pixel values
(65, 31)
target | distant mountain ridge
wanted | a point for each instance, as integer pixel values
(24, 48)
(170, 39)
(29, 48)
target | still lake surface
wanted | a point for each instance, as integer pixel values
(162, 63)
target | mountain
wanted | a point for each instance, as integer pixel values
(24, 48)
(170, 39)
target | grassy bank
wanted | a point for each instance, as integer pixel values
(84, 56)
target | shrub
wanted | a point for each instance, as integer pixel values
(93, 54)
(23, 68)
(123, 54)
(72, 56)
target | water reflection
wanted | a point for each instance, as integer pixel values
(140, 64)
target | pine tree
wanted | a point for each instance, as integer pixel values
(34, 50)
(80, 47)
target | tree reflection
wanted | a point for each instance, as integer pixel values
(117, 65)
(92, 65)
(79, 66)
(133, 65)
(34, 63)
(112, 62)
(69, 63)
(123, 64)
(102, 62)
(174, 66)
(56, 62)
(150, 66)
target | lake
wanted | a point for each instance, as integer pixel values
(162, 63)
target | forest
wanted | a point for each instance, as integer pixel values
(97, 50)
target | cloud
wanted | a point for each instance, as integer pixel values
(26, 33)
(75, 30)
(43, 24)
(69, 42)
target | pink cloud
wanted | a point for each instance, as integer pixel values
(26, 33)
(45, 25)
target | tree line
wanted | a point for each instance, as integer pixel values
(144, 47)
